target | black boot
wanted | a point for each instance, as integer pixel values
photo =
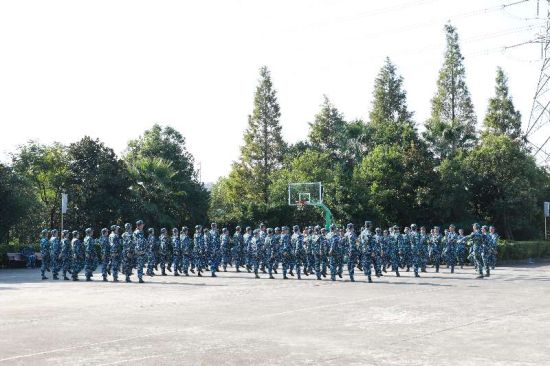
(128, 279)
(44, 277)
(104, 278)
(397, 274)
(370, 279)
(66, 278)
(141, 280)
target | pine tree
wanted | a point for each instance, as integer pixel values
(502, 118)
(328, 131)
(452, 125)
(390, 119)
(264, 147)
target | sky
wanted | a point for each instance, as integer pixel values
(111, 69)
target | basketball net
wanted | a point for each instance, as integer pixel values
(300, 204)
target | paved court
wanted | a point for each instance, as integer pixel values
(440, 319)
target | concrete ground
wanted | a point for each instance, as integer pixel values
(439, 319)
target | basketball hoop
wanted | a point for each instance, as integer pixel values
(300, 204)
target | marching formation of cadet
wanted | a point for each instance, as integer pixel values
(313, 251)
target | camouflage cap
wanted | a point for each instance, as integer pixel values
(75, 234)
(151, 230)
(88, 230)
(127, 226)
(44, 231)
(163, 230)
(104, 230)
(269, 230)
(139, 222)
(113, 227)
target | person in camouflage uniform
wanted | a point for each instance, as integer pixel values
(186, 250)
(176, 252)
(425, 245)
(89, 254)
(66, 254)
(377, 249)
(286, 250)
(253, 249)
(127, 251)
(492, 260)
(140, 249)
(201, 249)
(213, 245)
(247, 238)
(115, 251)
(334, 252)
(152, 252)
(449, 252)
(385, 250)
(225, 249)
(309, 237)
(436, 248)
(270, 251)
(461, 248)
(55, 252)
(261, 254)
(366, 248)
(406, 257)
(45, 253)
(487, 250)
(300, 257)
(105, 253)
(78, 255)
(395, 243)
(277, 254)
(350, 245)
(164, 252)
(238, 249)
(325, 247)
(416, 250)
(315, 251)
(478, 243)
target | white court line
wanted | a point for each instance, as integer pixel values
(204, 326)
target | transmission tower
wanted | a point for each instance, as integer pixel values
(539, 118)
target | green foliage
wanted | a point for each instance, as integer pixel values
(328, 131)
(451, 126)
(505, 183)
(263, 149)
(502, 117)
(166, 191)
(519, 250)
(97, 185)
(17, 199)
(46, 167)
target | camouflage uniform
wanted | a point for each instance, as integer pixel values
(316, 251)
(200, 247)
(300, 256)
(325, 247)
(270, 251)
(66, 254)
(247, 238)
(405, 250)
(55, 251)
(367, 250)
(238, 249)
(115, 251)
(286, 250)
(253, 249)
(277, 249)
(335, 253)
(460, 248)
(127, 252)
(78, 255)
(416, 250)
(105, 253)
(449, 252)
(177, 254)
(89, 252)
(350, 245)
(436, 248)
(225, 249)
(140, 249)
(213, 245)
(186, 250)
(478, 244)
(164, 251)
(492, 260)
(45, 252)
(395, 243)
(152, 250)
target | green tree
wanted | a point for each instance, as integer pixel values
(164, 181)
(328, 130)
(46, 167)
(452, 125)
(502, 117)
(97, 185)
(17, 201)
(505, 183)
(264, 148)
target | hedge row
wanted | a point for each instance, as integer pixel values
(515, 250)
